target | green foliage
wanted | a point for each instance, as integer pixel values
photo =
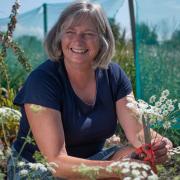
(171, 133)
(33, 49)
(159, 70)
(124, 52)
(170, 170)
(146, 35)
(2, 175)
(88, 172)
(39, 157)
(7, 97)
(9, 123)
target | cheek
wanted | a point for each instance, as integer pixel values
(96, 46)
(63, 43)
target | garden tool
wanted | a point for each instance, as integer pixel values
(145, 152)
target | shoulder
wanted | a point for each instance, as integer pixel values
(45, 71)
(115, 71)
(48, 67)
(119, 81)
(42, 87)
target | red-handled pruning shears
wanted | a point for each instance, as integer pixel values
(145, 152)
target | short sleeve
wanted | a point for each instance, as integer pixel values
(42, 89)
(119, 82)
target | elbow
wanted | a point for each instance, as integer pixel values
(55, 165)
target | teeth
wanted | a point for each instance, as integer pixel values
(79, 50)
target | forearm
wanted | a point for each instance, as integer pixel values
(139, 139)
(68, 167)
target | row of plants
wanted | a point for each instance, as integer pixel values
(13, 77)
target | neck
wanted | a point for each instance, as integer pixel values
(80, 75)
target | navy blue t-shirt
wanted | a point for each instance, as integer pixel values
(86, 127)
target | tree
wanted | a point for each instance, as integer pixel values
(146, 35)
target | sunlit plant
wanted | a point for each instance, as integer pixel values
(162, 111)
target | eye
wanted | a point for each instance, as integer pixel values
(69, 32)
(89, 34)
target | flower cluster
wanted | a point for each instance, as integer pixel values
(174, 151)
(28, 170)
(126, 169)
(9, 122)
(7, 113)
(130, 169)
(162, 112)
(114, 140)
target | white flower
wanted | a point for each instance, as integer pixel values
(21, 164)
(138, 178)
(153, 177)
(145, 166)
(165, 93)
(152, 99)
(163, 107)
(165, 113)
(174, 120)
(166, 125)
(144, 173)
(125, 170)
(171, 108)
(135, 165)
(39, 166)
(179, 105)
(32, 166)
(135, 172)
(162, 98)
(157, 110)
(169, 102)
(6, 113)
(158, 104)
(43, 168)
(23, 172)
(127, 178)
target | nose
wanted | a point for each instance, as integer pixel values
(79, 36)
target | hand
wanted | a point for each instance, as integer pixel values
(160, 148)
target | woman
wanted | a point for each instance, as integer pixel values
(72, 102)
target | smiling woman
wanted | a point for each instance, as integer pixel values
(70, 104)
(80, 43)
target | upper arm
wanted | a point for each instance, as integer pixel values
(128, 122)
(47, 129)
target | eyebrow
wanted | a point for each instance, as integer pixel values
(91, 30)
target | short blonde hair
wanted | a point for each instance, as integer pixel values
(74, 13)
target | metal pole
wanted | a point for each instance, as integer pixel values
(135, 46)
(133, 25)
(45, 18)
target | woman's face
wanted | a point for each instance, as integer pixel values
(80, 43)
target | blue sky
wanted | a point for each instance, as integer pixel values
(163, 13)
(27, 5)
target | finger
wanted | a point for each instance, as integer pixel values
(159, 145)
(161, 159)
(169, 144)
(160, 152)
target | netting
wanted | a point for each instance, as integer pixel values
(31, 28)
(34, 22)
(157, 41)
(157, 47)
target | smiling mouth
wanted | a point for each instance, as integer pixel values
(79, 51)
